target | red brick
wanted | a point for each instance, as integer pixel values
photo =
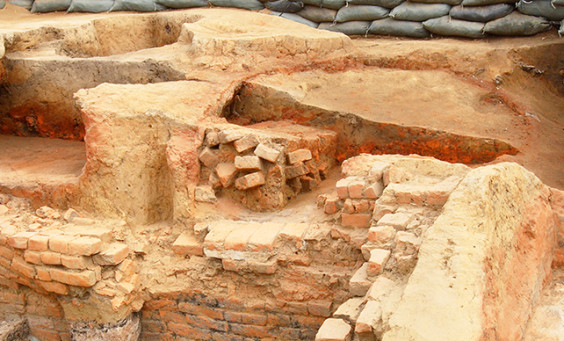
(238, 238)
(299, 156)
(159, 304)
(263, 238)
(332, 204)
(9, 296)
(6, 252)
(20, 240)
(47, 309)
(208, 158)
(246, 318)
(278, 320)
(245, 143)
(57, 288)
(75, 262)
(200, 310)
(145, 336)
(226, 173)
(113, 254)
(191, 332)
(188, 244)
(38, 243)
(51, 258)
(32, 257)
(377, 261)
(85, 246)
(294, 171)
(152, 326)
(334, 329)
(252, 331)
(45, 334)
(249, 162)
(320, 308)
(267, 153)
(356, 220)
(60, 243)
(171, 316)
(86, 278)
(250, 181)
(207, 323)
(21, 267)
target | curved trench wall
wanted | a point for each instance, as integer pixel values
(420, 19)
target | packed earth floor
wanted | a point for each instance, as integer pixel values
(220, 174)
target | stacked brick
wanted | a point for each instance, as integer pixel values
(262, 169)
(410, 195)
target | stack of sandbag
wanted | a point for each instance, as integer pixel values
(22, 3)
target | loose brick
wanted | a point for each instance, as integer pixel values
(378, 259)
(188, 244)
(21, 267)
(356, 220)
(86, 278)
(238, 238)
(229, 135)
(265, 152)
(60, 243)
(51, 258)
(226, 173)
(359, 283)
(263, 238)
(250, 181)
(343, 188)
(6, 252)
(20, 240)
(84, 246)
(75, 262)
(398, 220)
(32, 257)
(245, 143)
(208, 158)
(54, 287)
(249, 162)
(114, 254)
(295, 171)
(350, 309)
(332, 204)
(382, 235)
(334, 329)
(299, 155)
(38, 243)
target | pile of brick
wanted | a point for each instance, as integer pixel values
(263, 168)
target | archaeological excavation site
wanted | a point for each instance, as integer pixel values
(322, 170)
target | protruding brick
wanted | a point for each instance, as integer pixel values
(229, 135)
(218, 232)
(356, 188)
(250, 181)
(398, 220)
(75, 262)
(208, 158)
(381, 287)
(350, 309)
(332, 204)
(50, 258)
(54, 287)
(296, 170)
(407, 243)
(299, 155)
(245, 143)
(23, 268)
(267, 153)
(187, 244)
(378, 259)
(38, 243)
(356, 219)
(334, 330)
(368, 321)
(60, 243)
(238, 238)
(376, 172)
(84, 246)
(382, 235)
(343, 188)
(263, 239)
(85, 278)
(114, 254)
(201, 229)
(20, 240)
(359, 283)
(374, 190)
(226, 173)
(249, 162)
(32, 257)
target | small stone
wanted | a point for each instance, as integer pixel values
(249, 162)
(208, 158)
(205, 193)
(267, 153)
(299, 155)
(245, 143)
(229, 135)
(226, 173)
(250, 181)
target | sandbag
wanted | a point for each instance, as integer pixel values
(448, 2)
(22, 3)
(558, 2)
(333, 4)
(381, 3)
(45, 6)
(285, 6)
(485, 2)
(313, 2)
(136, 6)
(561, 30)
(183, 3)
(317, 14)
(2, 4)
(244, 4)
(517, 24)
(349, 28)
(393, 27)
(541, 8)
(361, 13)
(90, 6)
(481, 13)
(296, 18)
(446, 26)
(412, 11)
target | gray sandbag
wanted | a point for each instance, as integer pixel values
(382, 3)
(333, 4)
(481, 13)
(561, 30)
(541, 8)
(361, 13)
(558, 2)
(22, 3)
(517, 24)
(317, 14)
(90, 6)
(446, 26)
(285, 6)
(183, 3)
(485, 2)
(2, 4)
(448, 2)
(313, 2)
(296, 18)
(243, 4)
(46, 6)
(413, 11)
(136, 6)
(349, 28)
(393, 27)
